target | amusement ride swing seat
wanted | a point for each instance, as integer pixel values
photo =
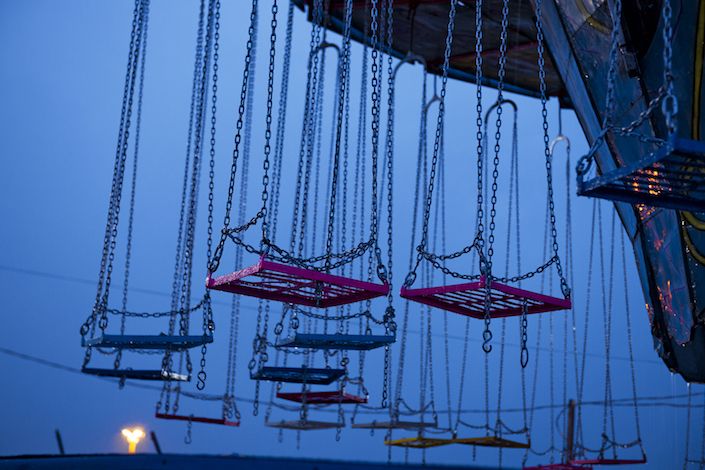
(673, 176)
(296, 285)
(138, 374)
(322, 398)
(161, 342)
(181, 293)
(604, 461)
(295, 281)
(336, 341)
(607, 442)
(469, 299)
(197, 419)
(419, 442)
(396, 424)
(303, 425)
(559, 466)
(485, 297)
(490, 441)
(299, 375)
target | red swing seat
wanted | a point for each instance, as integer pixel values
(323, 398)
(469, 299)
(197, 419)
(296, 285)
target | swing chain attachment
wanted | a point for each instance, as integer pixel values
(189, 425)
(524, 357)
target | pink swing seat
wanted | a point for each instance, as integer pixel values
(296, 285)
(469, 299)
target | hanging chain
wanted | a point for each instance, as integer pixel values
(565, 289)
(665, 95)
(189, 426)
(268, 122)
(436, 143)
(630, 344)
(214, 263)
(118, 175)
(669, 105)
(167, 360)
(208, 324)
(524, 356)
(133, 183)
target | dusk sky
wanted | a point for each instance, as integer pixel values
(61, 88)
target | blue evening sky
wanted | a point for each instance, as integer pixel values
(61, 86)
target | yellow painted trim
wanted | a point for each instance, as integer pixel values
(692, 249)
(693, 221)
(587, 16)
(687, 216)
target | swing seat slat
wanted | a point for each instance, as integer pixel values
(295, 285)
(469, 299)
(300, 375)
(322, 398)
(137, 374)
(197, 419)
(671, 177)
(336, 341)
(149, 342)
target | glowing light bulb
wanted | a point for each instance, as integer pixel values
(133, 437)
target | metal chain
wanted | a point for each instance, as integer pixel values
(665, 95)
(133, 183)
(176, 285)
(90, 322)
(565, 289)
(122, 151)
(208, 324)
(213, 264)
(437, 140)
(632, 371)
(669, 106)
(268, 122)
